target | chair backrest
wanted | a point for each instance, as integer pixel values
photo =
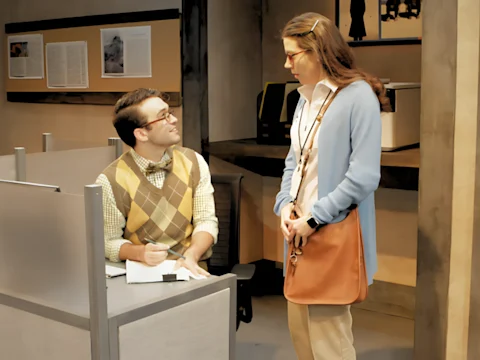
(227, 191)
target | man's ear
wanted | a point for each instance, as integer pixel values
(140, 134)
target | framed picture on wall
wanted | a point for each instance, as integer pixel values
(379, 22)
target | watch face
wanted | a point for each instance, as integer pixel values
(312, 223)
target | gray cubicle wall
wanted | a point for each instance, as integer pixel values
(54, 143)
(7, 167)
(56, 304)
(43, 254)
(71, 170)
(44, 287)
(12, 167)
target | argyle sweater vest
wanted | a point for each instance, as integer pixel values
(164, 215)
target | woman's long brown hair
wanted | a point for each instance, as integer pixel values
(333, 52)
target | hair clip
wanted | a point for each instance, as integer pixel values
(309, 31)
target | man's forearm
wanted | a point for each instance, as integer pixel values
(201, 242)
(131, 252)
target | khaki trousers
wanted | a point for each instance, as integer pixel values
(321, 332)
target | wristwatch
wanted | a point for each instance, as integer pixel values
(312, 222)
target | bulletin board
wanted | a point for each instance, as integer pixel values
(166, 56)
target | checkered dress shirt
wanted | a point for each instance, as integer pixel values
(204, 218)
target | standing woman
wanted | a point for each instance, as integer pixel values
(343, 167)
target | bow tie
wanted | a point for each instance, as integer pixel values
(163, 165)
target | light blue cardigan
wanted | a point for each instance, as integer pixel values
(349, 151)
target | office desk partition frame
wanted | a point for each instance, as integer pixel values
(12, 167)
(117, 316)
(51, 143)
(69, 169)
(195, 303)
(42, 167)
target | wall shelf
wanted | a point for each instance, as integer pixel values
(409, 158)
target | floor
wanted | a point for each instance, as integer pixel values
(377, 336)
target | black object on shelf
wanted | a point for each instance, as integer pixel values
(275, 113)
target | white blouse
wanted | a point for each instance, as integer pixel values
(302, 128)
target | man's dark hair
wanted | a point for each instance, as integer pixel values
(128, 116)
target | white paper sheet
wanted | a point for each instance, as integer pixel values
(67, 65)
(138, 272)
(126, 52)
(25, 60)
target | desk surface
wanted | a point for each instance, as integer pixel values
(128, 301)
(124, 298)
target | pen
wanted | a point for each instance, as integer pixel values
(169, 250)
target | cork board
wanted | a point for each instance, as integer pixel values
(165, 52)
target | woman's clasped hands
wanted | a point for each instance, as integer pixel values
(297, 229)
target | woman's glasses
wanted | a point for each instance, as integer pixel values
(291, 56)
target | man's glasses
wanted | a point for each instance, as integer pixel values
(167, 117)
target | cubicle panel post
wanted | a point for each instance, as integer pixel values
(233, 318)
(117, 142)
(99, 331)
(47, 142)
(20, 164)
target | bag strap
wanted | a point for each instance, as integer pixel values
(318, 119)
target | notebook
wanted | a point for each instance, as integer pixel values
(138, 272)
(113, 271)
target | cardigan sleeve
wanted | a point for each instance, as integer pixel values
(283, 196)
(363, 174)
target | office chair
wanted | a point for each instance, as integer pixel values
(225, 258)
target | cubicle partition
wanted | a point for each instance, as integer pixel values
(7, 167)
(12, 167)
(52, 143)
(56, 303)
(69, 169)
(44, 289)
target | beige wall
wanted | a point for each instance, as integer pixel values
(239, 64)
(235, 74)
(22, 124)
(234, 68)
(30, 10)
(397, 228)
(399, 63)
(251, 210)
(275, 16)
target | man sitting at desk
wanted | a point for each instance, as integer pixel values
(157, 191)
